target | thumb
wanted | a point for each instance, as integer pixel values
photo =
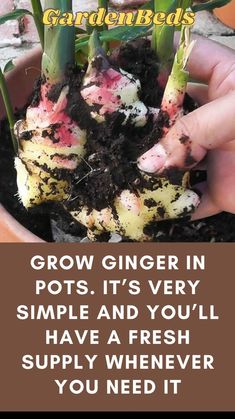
(192, 136)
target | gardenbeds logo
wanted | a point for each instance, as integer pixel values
(141, 17)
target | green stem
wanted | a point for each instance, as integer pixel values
(104, 5)
(9, 109)
(163, 36)
(59, 44)
(177, 83)
(95, 49)
(38, 17)
(94, 46)
(185, 4)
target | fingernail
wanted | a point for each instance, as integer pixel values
(153, 160)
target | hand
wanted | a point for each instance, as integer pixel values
(209, 130)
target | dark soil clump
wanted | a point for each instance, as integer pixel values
(110, 167)
(220, 228)
(139, 59)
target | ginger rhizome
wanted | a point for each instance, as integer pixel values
(132, 212)
(52, 143)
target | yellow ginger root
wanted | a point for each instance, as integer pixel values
(51, 146)
(132, 213)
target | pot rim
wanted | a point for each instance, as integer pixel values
(11, 230)
(226, 14)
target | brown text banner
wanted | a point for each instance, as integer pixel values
(127, 327)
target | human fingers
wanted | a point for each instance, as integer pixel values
(221, 175)
(199, 93)
(213, 64)
(192, 136)
(207, 207)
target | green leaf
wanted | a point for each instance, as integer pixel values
(79, 31)
(124, 33)
(16, 14)
(210, 5)
(9, 108)
(81, 56)
(8, 67)
(89, 28)
(148, 5)
(185, 4)
(105, 5)
(38, 19)
(58, 44)
(120, 33)
(163, 36)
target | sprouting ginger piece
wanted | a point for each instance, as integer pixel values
(50, 143)
(107, 90)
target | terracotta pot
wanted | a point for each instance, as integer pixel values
(226, 14)
(20, 82)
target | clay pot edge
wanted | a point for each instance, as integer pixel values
(10, 229)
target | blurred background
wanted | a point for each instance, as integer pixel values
(18, 36)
